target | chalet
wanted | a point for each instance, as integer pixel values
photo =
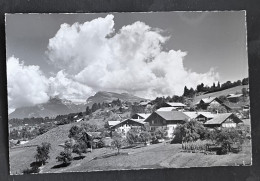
(140, 116)
(167, 120)
(200, 116)
(176, 105)
(124, 126)
(225, 120)
(234, 97)
(112, 123)
(167, 109)
(205, 116)
(206, 102)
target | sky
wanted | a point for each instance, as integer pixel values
(146, 54)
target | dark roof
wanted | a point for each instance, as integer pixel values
(172, 115)
(220, 118)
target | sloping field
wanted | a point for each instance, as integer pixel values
(153, 156)
(233, 90)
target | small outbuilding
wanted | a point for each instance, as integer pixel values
(225, 120)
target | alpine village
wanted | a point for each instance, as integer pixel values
(206, 126)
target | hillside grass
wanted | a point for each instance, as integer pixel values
(154, 156)
(233, 90)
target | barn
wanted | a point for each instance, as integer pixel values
(167, 120)
(206, 102)
(225, 120)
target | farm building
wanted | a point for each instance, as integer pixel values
(112, 123)
(176, 105)
(206, 102)
(200, 116)
(225, 120)
(167, 120)
(140, 116)
(205, 116)
(124, 126)
(234, 97)
(167, 109)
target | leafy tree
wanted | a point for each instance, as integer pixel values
(88, 111)
(145, 136)
(117, 142)
(160, 133)
(245, 81)
(190, 131)
(42, 154)
(94, 107)
(65, 156)
(132, 136)
(216, 109)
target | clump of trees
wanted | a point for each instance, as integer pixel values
(42, 154)
(65, 157)
(135, 135)
(193, 135)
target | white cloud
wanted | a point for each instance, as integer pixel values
(26, 84)
(66, 88)
(132, 60)
(92, 57)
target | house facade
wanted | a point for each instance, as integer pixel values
(124, 126)
(224, 120)
(167, 120)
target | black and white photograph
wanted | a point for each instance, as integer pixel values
(127, 91)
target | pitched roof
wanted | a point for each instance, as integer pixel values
(220, 118)
(140, 121)
(172, 115)
(234, 96)
(207, 114)
(194, 114)
(143, 115)
(112, 123)
(176, 104)
(208, 100)
(166, 109)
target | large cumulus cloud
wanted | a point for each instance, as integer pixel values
(93, 57)
(26, 84)
(130, 60)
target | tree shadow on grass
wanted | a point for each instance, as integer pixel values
(60, 165)
(36, 164)
(79, 158)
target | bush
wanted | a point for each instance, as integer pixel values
(42, 154)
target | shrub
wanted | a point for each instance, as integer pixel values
(42, 154)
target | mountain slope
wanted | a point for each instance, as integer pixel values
(233, 90)
(103, 96)
(52, 108)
